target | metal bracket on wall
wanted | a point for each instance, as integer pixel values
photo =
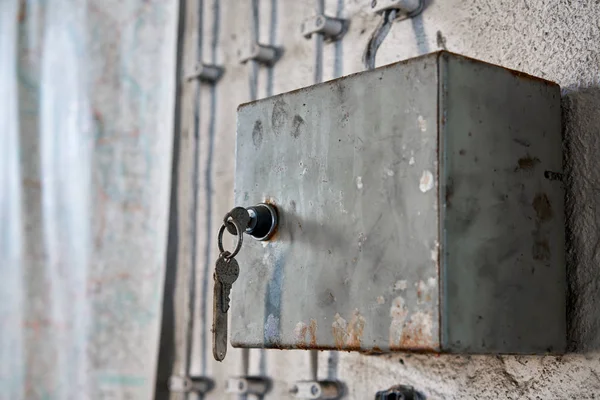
(255, 385)
(207, 73)
(190, 384)
(399, 392)
(332, 29)
(405, 8)
(261, 53)
(321, 390)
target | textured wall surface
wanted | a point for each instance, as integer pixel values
(85, 152)
(555, 39)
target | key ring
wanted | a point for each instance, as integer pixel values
(238, 246)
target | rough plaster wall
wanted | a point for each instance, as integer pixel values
(555, 39)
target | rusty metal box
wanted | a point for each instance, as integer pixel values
(420, 206)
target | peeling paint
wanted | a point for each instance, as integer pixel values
(422, 123)
(426, 182)
(359, 183)
(401, 285)
(434, 255)
(389, 172)
(425, 289)
(300, 335)
(339, 328)
(380, 300)
(411, 161)
(300, 332)
(271, 329)
(398, 313)
(348, 335)
(417, 332)
(362, 238)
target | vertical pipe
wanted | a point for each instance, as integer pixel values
(252, 64)
(167, 331)
(338, 47)
(209, 187)
(318, 40)
(194, 208)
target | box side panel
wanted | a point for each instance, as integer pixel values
(351, 166)
(503, 237)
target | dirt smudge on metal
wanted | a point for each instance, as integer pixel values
(527, 163)
(522, 142)
(279, 116)
(298, 126)
(541, 250)
(257, 134)
(543, 208)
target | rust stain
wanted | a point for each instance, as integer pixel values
(526, 163)
(356, 329)
(271, 201)
(312, 329)
(339, 331)
(374, 351)
(543, 208)
(302, 331)
(416, 333)
(347, 336)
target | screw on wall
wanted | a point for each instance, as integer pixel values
(321, 390)
(190, 384)
(254, 385)
(332, 29)
(261, 53)
(207, 73)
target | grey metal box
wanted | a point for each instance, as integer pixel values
(421, 208)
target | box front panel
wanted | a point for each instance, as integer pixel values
(351, 166)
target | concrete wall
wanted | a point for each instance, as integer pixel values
(555, 39)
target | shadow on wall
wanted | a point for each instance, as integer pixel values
(581, 127)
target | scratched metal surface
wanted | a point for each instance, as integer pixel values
(351, 167)
(502, 247)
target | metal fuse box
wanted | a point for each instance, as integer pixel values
(420, 206)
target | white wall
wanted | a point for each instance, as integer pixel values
(555, 39)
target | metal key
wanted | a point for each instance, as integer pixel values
(239, 214)
(226, 273)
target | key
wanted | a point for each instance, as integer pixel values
(226, 273)
(239, 214)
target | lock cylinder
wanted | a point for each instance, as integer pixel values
(263, 221)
